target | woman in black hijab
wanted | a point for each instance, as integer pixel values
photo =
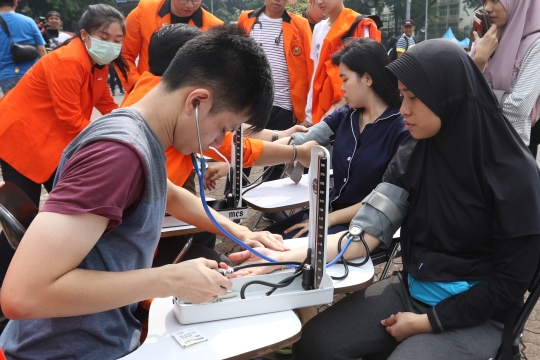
(471, 239)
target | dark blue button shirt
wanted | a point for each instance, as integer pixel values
(359, 159)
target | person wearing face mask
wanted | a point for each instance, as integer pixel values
(146, 18)
(53, 103)
(509, 54)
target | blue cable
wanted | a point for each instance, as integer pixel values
(200, 174)
(340, 254)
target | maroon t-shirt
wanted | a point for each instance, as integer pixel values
(106, 178)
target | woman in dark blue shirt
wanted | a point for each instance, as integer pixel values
(365, 135)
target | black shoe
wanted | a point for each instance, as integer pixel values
(274, 217)
(113, 93)
(122, 91)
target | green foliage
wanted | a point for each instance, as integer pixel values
(70, 10)
(297, 6)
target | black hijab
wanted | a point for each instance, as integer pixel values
(473, 182)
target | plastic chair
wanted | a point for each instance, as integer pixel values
(16, 210)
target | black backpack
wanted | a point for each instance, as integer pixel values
(390, 46)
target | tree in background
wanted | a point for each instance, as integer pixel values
(70, 10)
(297, 6)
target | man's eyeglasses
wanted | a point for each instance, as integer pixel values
(194, 2)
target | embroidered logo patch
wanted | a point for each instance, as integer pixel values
(296, 51)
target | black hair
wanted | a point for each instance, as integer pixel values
(232, 66)
(365, 55)
(165, 43)
(7, 3)
(96, 17)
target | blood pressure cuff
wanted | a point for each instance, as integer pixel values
(320, 132)
(382, 212)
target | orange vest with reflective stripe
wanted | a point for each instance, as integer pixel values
(179, 166)
(297, 46)
(327, 82)
(50, 105)
(141, 24)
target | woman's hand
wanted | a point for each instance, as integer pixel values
(292, 130)
(213, 173)
(405, 324)
(303, 226)
(485, 46)
(251, 258)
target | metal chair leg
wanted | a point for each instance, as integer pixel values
(257, 222)
(390, 262)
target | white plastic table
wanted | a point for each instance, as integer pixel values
(239, 338)
(278, 195)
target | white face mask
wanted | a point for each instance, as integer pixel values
(103, 52)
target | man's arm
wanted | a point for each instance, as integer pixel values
(187, 207)
(131, 48)
(43, 279)
(41, 51)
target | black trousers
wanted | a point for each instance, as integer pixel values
(33, 190)
(535, 139)
(114, 79)
(351, 329)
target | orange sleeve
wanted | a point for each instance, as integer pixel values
(253, 149)
(106, 103)
(374, 32)
(65, 81)
(179, 166)
(131, 47)
(307, 45)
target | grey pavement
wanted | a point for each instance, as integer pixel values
(530, 344)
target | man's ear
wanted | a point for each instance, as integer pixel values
(198, 98)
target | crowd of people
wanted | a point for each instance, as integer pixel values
(450, 129)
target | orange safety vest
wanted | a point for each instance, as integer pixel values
(179, 166)
(142, 22)
(50, 105)
(327, 82)
(297, 46)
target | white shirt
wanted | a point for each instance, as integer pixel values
(319, 34)
(57, 41)
(268, 33)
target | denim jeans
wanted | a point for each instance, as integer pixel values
(8, 84)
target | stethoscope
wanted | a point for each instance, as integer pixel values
(277, 40)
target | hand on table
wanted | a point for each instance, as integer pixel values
(194, 281)
(213, 173)
(303, 226)
(251, 258)
(405, 324)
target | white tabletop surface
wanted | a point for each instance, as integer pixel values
(226, 338)
(282, 193)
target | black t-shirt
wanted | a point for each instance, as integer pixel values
(179, 20)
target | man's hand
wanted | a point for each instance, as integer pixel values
(251, 258)
(213, 173)
(485, 46)
(303, 226)
(194, 281)
(403, 325)
(292, 130)
(263, 239)
(304, 152)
